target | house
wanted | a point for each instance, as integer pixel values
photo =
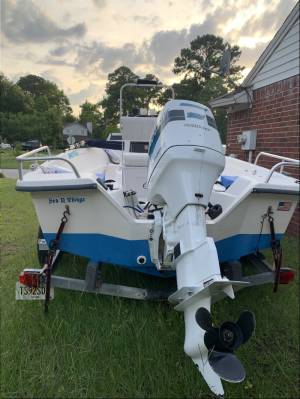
(268, 102)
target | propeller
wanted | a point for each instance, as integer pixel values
(222, 341)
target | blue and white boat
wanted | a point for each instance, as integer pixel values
(112, 227)
(166, 200)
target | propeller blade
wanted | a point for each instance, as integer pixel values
(247, 324)
(227, 366)
(203, 318)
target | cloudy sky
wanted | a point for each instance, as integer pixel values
(76, 43)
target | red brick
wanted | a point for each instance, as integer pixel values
(275, 116)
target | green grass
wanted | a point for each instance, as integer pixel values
(94, 346)
(8, 159)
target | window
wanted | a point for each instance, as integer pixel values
(191, 105)
(116, 137)
(211, 122)
(194, 115)
(175, 115)
(138, 146)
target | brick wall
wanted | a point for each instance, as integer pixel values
(275, 116)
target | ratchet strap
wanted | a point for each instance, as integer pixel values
(277, 252)
(53, 247)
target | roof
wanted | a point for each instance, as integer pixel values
(241, 97)
(74, 123)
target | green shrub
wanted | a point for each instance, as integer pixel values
(18, 149)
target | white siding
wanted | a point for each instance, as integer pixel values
(283, 63)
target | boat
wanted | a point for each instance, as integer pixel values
(103, 218)
(163, 199)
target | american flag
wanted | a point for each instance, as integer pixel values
(284, 206)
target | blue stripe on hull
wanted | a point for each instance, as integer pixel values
(234, 247)
(107, 249)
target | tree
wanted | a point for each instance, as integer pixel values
(25, 115)
(38, 87)
(199, 82)
(204, 55)
(91, 113)
(110, 103)
(44, 126)
(12, 97)
(132, 97)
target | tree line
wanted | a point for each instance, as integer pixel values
(35, 108)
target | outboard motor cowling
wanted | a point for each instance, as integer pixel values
(186, 150)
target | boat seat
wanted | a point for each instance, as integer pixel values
(135, 159)
(227, 181)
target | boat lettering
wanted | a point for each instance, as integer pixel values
(73, 154)
(192, 125)
(66, 200)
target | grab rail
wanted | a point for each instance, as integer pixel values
(40, 149)
(293, 162)
(268, 154)
(26, 157)
(281, 164)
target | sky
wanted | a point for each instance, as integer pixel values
(76, 43)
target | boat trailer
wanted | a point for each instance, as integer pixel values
(262, 273)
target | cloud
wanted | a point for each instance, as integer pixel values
(23, 21)
(99, 55)
(147, 20)
(263, 24)
(61, 50)
(99, 3)
(156, 55)
(49, 74)
(250, 55)
(80, 96)
(54, 61)
(164, 46)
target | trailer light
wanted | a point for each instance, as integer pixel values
(30, 278)
(286, 275)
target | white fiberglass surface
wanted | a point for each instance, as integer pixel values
(89, 162)
(255, 173)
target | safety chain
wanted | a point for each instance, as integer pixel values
(53, 247)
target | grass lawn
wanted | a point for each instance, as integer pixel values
(8, 159)
(92, 346)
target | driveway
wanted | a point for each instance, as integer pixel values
(11, 173)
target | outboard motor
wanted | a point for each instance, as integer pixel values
(185, 160)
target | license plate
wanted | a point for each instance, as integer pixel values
(24, 293)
